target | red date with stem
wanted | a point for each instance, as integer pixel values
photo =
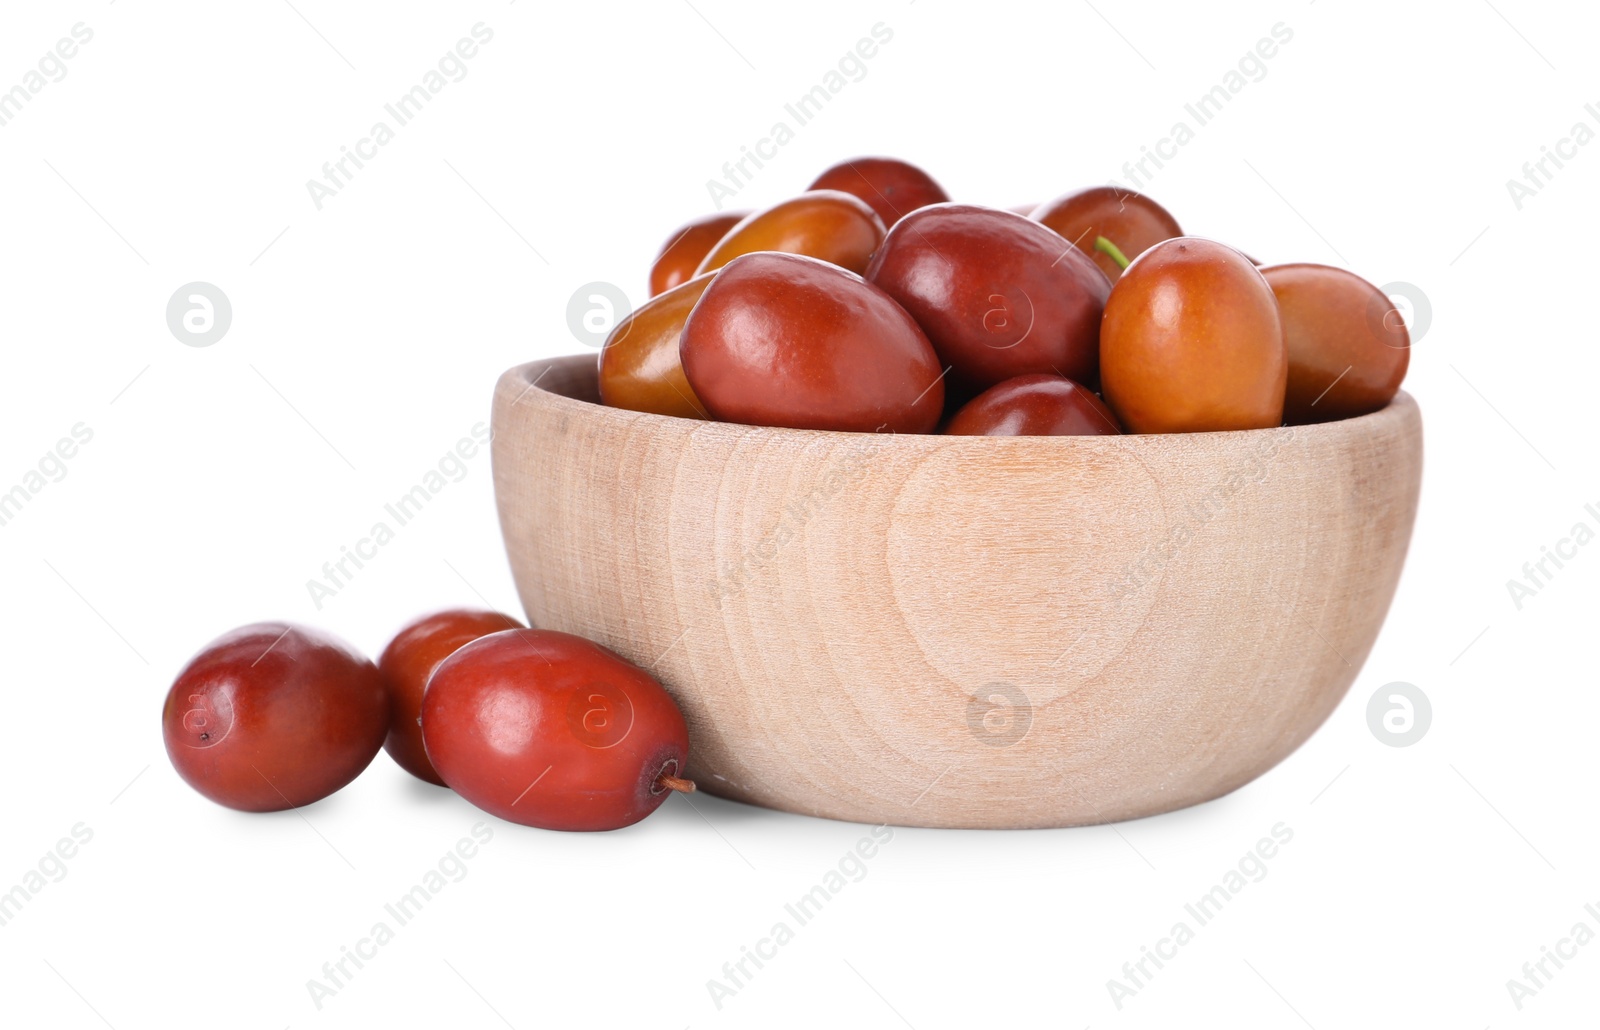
(551, 730)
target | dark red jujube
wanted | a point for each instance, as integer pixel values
(891, 187)
(274, 716)
(551, 730)
(1036, 405)
(998, 295)
(784, 340)
(406, 665)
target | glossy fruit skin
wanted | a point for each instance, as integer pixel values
(1192, 342)
(1132, 221)
(998, 295)
(1348, 346)
(639, 366)
(687, 247)
(1034, 405)
(551, 730)
(891, 187)
(406, 665)
(784, 340)
(826, 224)
(274, 716)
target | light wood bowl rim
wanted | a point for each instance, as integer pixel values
(1378, 422)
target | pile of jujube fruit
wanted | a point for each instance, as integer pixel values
(537, 727)
(871, 303)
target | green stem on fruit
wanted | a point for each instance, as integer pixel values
(1109, 249)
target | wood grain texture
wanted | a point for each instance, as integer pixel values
(962, 631)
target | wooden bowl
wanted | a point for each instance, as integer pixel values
(962, 631)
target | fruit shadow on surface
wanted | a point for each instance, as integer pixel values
(335, 805)
(687, 811)
(694, 810)
(421, 792)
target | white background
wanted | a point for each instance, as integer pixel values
(365, 341)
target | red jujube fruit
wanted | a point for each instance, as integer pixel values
(1348, 345)
(551, 730)
(687, 247)
(892, 188)
(998, 295)
(1192, 342)
(274, 716)
(783, 340)
(406, 665)
(1034, 406)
